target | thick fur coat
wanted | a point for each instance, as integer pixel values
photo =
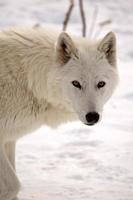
(49, 78)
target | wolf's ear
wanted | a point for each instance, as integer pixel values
(108, 46)
(65, 48)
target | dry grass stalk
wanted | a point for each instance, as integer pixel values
(82, 17)
(68, 14)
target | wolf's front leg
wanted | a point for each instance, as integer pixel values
(10, 152)
(9, 184)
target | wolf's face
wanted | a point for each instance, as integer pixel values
(88, 75)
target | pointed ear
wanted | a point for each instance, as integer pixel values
(65, 48)
(108, 46)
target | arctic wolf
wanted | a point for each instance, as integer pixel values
(48, 78)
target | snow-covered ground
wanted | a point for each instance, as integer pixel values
(75, 162)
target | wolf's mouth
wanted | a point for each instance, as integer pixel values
(90, 124)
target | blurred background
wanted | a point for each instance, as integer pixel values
(75, 162)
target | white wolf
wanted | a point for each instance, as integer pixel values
(49, 78)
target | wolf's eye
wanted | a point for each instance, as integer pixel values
(76, 84)
(101, 84)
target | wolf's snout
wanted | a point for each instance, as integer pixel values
(92, 118)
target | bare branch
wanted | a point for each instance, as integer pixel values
(93, 23)
(106, 22)
(67, 16)
(82, 17)
(101, 25)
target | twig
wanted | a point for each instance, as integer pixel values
(82, 17)
(93, 23)
(106, 22)
(101, 25)
(67, 16)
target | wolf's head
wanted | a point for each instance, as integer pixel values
(87, 74)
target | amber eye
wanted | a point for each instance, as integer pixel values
(76, 84)
(101, 84)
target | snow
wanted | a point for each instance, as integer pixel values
(76, 161)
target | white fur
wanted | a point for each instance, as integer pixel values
(37, 67)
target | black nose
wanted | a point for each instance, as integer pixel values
(92, 118)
